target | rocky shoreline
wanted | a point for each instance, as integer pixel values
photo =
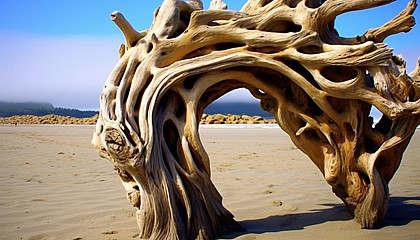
(48, 119)
(234, 119)
(205, 119)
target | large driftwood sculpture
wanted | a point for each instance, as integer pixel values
(319, 86)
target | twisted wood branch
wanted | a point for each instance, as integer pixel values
(319, 86)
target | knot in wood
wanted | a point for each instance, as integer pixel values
(116, 144)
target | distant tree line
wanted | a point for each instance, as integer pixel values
(237, 108)
(8, 109)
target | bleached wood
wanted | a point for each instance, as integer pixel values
(217, 4)
(319, 86)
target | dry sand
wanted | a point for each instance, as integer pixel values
(55, 186)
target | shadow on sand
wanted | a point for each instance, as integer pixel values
(401, 211)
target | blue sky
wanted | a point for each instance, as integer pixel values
(61, 51)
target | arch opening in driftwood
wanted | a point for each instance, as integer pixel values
(319, 86)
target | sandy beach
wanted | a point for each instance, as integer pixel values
(55, 186)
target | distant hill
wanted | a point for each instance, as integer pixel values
(237, 108)
(8, 109)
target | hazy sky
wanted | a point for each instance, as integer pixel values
(61, 51)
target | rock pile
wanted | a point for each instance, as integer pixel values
(205, 119)
(48, 119)
(234, 119)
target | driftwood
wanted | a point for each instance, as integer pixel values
(320, 88)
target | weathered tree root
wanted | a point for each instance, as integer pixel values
(319, 86)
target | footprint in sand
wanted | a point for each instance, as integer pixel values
(277, 203)
(33, 180)
(110, 232)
